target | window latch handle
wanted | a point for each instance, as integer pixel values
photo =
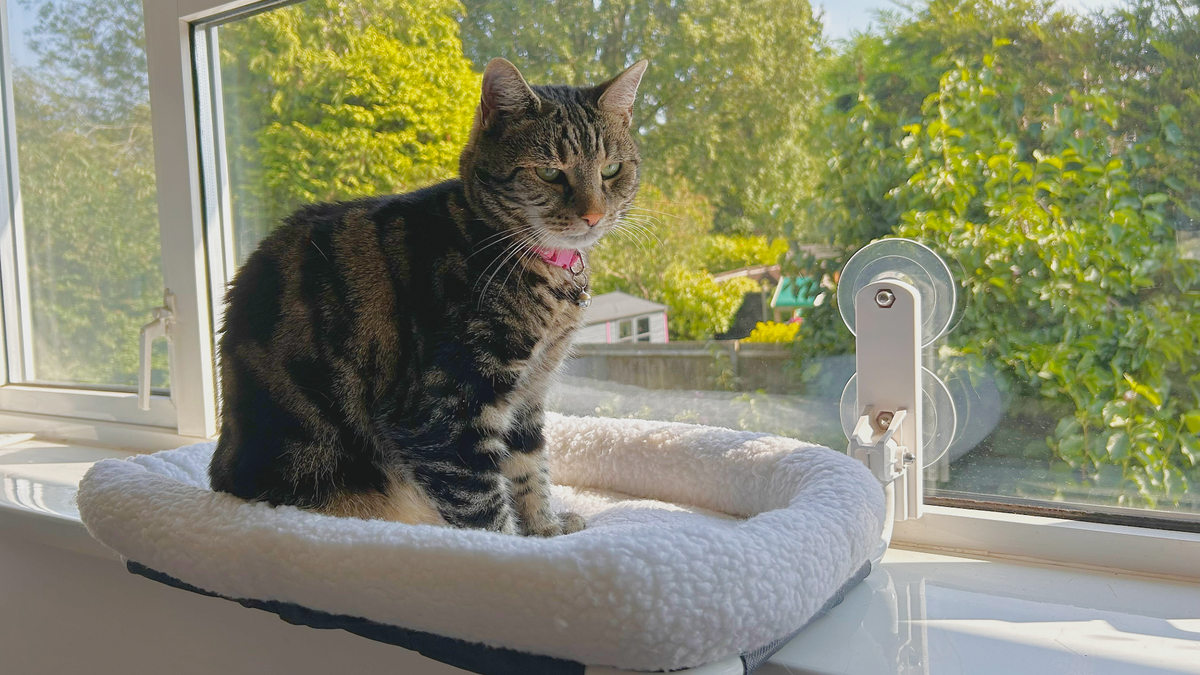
(161, 327)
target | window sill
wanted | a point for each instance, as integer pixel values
(1008, 606)
(93, 432)
(1036, 539)
(37, 503)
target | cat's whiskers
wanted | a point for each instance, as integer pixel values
(515, 248)
(520, 261)
(497, 238)
(657, 212)
(640, 227)
(646, 215)
(629, 236)
(498, 263)
(647, 225)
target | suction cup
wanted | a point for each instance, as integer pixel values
(940, 419)
(907, 261)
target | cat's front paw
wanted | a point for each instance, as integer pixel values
(572, 522)
(552, 525)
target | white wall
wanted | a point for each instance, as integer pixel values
(658, 327)
(68, 612)
(591, 334)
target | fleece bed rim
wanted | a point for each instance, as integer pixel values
(660, 587)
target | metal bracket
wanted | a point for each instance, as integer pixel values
(888, 436)
(161, 327)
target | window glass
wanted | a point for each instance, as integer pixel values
(84, 164)
(1049, 152)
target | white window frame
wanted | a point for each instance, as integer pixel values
(637, 333)
(26, 405)
(632, 337)
(188, 267)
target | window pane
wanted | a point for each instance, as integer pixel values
(1049, 155)
(85, 164)
(333, 99)
(643, 325)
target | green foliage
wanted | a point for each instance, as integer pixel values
(879, 84)
(723, 252)
(331, 100)
(699, 305)
(1053, 175)
(1150, 51)
(770, 331)
(1076, 288)
(664, 253)
(1074, 280)
(723, 105)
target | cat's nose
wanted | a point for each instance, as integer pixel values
(592, 218)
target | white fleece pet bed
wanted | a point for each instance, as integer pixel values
(702, 544)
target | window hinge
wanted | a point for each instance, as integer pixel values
(162, 326)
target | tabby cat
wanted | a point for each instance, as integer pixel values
(389, 357)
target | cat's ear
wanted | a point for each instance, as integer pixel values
(505, 94)
(618, 94)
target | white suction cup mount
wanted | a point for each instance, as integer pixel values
(902, 260)
(897, 296)
(938, 411)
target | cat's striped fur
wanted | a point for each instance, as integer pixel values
(389, 357)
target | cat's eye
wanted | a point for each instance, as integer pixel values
(610, 170)
(548, 173)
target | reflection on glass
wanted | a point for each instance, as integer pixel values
(1047, 155)
(85, 163)
(922, 614)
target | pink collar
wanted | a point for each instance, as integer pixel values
(565, 258)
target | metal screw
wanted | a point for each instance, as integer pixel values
(884, 418)
(884, 298)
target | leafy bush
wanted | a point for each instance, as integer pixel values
(1077, 290)
(88, 192)
(699, 305)
(723, 252)
(1074, 280)
(770, 331)
(665, 251)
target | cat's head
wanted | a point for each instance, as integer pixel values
(555, 164)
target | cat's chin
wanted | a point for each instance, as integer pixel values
(578, 242)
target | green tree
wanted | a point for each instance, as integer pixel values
(723, 105)
(86, 171)
(880, 82)
(1148, 51)
(330, 99)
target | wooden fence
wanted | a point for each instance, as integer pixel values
(729, 365)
